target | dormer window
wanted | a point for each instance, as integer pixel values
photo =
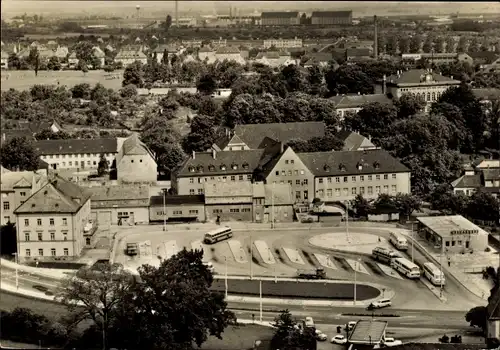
(326, 168)
(376, 165)
(211, 168)
(359, 166)
(200, 168)
(234, 166)
(341, 167)
(223, 167)
(245, 166)
(191, 169)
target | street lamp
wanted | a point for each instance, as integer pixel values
(251, 256)
(441, 273)
(225, 261)
(412, 238)
(164, 190)
(17, 273)
(272, 206)
(356, 266)
(347, 222)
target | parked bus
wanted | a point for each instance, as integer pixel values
(433, 274)
(398, 240)
(217, 235)
(384, 255)
(406, 267)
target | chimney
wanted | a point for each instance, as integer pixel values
(375, 38)
(194, 154)
(282, 147)
(214, 154)
(359, 93)
(384, 85)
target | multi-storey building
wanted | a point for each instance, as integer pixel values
(4, 62)
(52, 223)
(280, 18)
(481, 178)
(17, 186)
(230, 54)
(127, 57)
(283, 43)
(345, 104)
(331, 18)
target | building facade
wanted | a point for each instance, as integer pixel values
(229, 201)
(283, 43)
(135, 162)
(175, 208)
(346, 104)
(280, 18)
(331, 18)
(480, 178)
(52, 222)
(126, 57)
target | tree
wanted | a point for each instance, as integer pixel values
(19, 154)
(316, 80)
(13, 61)
(317, 144)
(289, 336)
(428, 44)
(82, 65)
(168, 23)
(483, 206)
(392, 45)
(48, 134)
(404, 44)
(168, 106)
(361, 206)
(173, 307)
(8, 239)
(373, 120)
(103, 166)
(409, 105)
(450, 44)
(415, 43)
(128, 91)
(206, 85)
(23, 325)
(201, 136)
(439, 44)
(293, 78)
(463, 44)
(406, 204)
(444, 199)
(81, 91)
(477, 317)
(171, 158)
(348, 79)
(133, 74)
(54, 63)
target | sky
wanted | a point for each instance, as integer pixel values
(151, 8)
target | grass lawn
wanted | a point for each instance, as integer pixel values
(23, 80)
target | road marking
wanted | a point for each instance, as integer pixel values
(357, 266)
(325, 261)
(264, 252)
(170, 249)
(294, 256)
(389, 271)
(237, 251)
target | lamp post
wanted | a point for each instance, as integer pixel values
(272, 206)
(225, 282)
(251, 256)
(260, 299)
(347, 222)
(17, 272)
(412, 238)
(356, 265)
(441, 273)
(164, 209)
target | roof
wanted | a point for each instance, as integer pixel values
(438, 346)
(76, 146)
(418, 76)
(335, 14)
(170, 48)
(225, 50)
(224, 163)
(358, 52)
(368, 331)
(318, 57)
(491, 174)
(356, 101)
(353, 141)
(10, 134)
(11, 179)
(57, 196)
(206, 49)
(35, 127)
(467, 181)
(443, 225)
(489, 56)
(177, 200)
(268, 55)
(229, 189)
(487, 94)
(344, 163)
(253, 134)
(130, 54)
(132, 146)
(280, 14)
(119, 196)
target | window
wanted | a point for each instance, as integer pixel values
(65, 236)
(394, 176)
(297, 182)
(191, 191)
(245, 210)
(193, 211)
(200, 190)
(53, 251)
(236, 210)
(306, 195)
(292, 161)
(370, 190)
(329, 180)
(6, 205)
(191, 180)
(386, 176)
(200, 180)
(217, 211)
(249, 177)
(28, 252)
(377, 189)
(320, 180)
(289, 173)
(346, 192)
(277, 173)
(177, 212)
(296, 172)
(286, 161)
(224, 178)
(65, 251)
(40, 236)
(23, 194)
(353, 178)
(27, 236)
(290, 182)
(377, 177)
(51, 222)
(233, 178)
(40, 252)
(337, 192)
(369, 177)
(337, 179)
(240, 177)
(345, 179)
(386, 189)
(362, 190)
(305, 182)
(52, 236)
(283, 172)
(329, 192)
(26, 222)
(65, 222)
(393, 188)
(362, 178)
(302, 172)
(39, 222)
(70, 163)
(320, 193)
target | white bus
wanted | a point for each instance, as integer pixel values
(406, 267)
(218, 234)
(384, 255)
(433, 274)
(398, 240)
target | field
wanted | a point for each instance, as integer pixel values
(24, 80)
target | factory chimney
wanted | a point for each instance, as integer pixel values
(375, 39)
(176, 13)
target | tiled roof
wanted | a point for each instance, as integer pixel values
(438, 346)
(130, 54)
(467, 181)
(345, 163)
(487, 94)
(206, 49)
(320, 56)
(9, 179)
(253, 134)
(35, 127)
(120, 195)
(76, 146)
(177, 200)
(234, 162)
(418, 76)
(169, 48)
(133, 146)
(368, 331)
(358, 52)
(491, 174)
(488, 56)
(292, 14)
(353, 140)
(355, 101)
(7, 135)
(268, 55)
(335, 14)
(225, 50)
(57, 196)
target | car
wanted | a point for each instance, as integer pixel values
(309, 322)
(392, 342)
(379, 304)
(320, 336)
(339, 339)
(350, 325)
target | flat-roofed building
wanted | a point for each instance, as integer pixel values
(282, 43)
(177, 208)
(368, 332)
(229, 201)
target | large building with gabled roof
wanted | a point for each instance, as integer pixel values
(331, 18)
(52, 223)
(280, 18)
(135, 162)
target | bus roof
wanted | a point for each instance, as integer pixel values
(218, 230)
(406, 262)
(430, 265)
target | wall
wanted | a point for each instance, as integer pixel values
(188, 210)
(290, 169)
(137, 168)
(140, 214)
(229, 212)
(466, 191)
(195, 184)
(342, 188)
(282, 213)
(74, 161)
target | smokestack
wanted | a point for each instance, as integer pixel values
(375, 34)
(384, 86)
(176, 13)
(231, 12)
(194, 154)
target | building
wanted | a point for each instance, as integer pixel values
(331, 18)
(419, 82)
(207, 168)
(280, 18)
(52, 222)
(230, 54)
(119, 205)
(274, 59)
(282, 43)
(368, 332)
(453, 234)
(99, 55)
(345, 104)
(341, 176)
(73, 60)
(4, 62)
(436, 58)
(135, 162)
(486, 179)
(229, 201)
(321, 59)
(273, 202)
(16, 187)
(159, 51)
(177, 208)
(126, 57)
(257, 136)
(76, 153)
(206, 54)
(493, 323)
(358, 54)
(354, 141)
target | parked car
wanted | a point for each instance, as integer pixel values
(350, 325)
(309, 322)
(379, 304)
(339, 339)
(320, 336)
(392, 342)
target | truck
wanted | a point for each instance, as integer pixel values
(131, 249)
(314, 274)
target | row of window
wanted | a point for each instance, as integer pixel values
(27, 236)
(53, 252)
(223, 167)
(64, 156)
(221, 178)
(354, 178)
(82, 163)
(355, 191)
(39, 222)
(179, 212)
(458, 243)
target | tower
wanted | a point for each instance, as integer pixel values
(176, 13)
(375, 37)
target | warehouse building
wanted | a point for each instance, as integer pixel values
(331, 18)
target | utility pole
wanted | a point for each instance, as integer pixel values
(176, 13)
(355, 282)
(164, 210)
(260, 298)
(251, 256)
(225, 261)
(347, 222)
(272, 206)
(441, 272)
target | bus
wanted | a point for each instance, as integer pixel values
(384, 255)
(217, 235)
(406, 267)
(398, 240)
(433, 274)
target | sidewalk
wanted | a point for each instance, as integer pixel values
(39, 271)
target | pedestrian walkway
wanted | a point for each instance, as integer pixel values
(357, 266)
(325, 261)
(264, 252)
(389, 271)
(350, 242)
(294, 256)
(237, 251)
